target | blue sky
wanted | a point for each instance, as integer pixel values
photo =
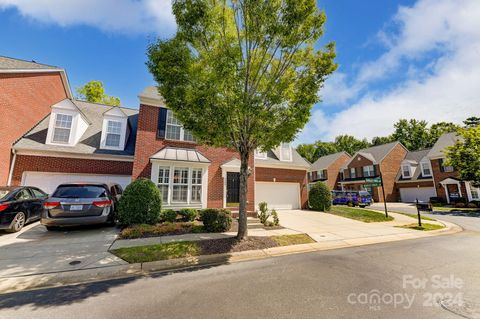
(398, 59)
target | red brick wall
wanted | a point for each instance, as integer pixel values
(24, 100)
(148, 144)
(264, 174)
(29, 163)
(358, 163)
(439, 176)
(389, 168)
(333, 172)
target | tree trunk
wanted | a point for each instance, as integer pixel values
(242, 220)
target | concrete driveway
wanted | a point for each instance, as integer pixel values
(34, 250)
(327, 227)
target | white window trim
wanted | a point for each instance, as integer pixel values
(371, 172)
(182, 130)
(260, 155)
(469, 188)
(409, 170)
(176, 165)
(62, 128)
(290, 152)
(422, 163)
(321, 174)
(354, 170)
(123, 132)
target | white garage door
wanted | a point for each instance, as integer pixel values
(278, 195)
(410, 195)
(49, 181)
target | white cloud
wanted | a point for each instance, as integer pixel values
(446, 34)
(125, 16)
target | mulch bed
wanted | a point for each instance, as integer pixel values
(227, 245)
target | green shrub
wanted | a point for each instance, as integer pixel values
(140, 203)
(472, 205)
(320, 197)
(276, 220)
(460, 205)
(168, 215)
(188, 214)
(263, 212)
(216, 220)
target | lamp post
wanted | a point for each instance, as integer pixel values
(383, 193)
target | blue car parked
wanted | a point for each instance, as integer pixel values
(351, 198)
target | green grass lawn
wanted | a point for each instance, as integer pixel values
(287, 240)
(415, 216)
(141, 254)
(361, 214)
(450, 209)
(424, 227)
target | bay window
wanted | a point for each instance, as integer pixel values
(164, 182)
(196, 185)
(180, 185)
(475, 192)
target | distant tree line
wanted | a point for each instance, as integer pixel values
(413, 134)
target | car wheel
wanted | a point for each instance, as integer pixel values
(18, 222)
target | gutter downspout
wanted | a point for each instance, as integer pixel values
(12, 167)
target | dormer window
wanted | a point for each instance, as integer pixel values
(285, 152)
(406, 171)
(426, 170)
(114, 133)
(175, 131)
(260, 155)
(62, 128)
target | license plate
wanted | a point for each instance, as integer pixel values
(76, 207)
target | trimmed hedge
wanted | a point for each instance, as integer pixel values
(320, 197)
(140, 203)
(168, 215)
(216, 220)
(188, 214)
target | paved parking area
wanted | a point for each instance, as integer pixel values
(34, 250)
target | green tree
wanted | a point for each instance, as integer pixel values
(307, 151)
(94, 92)
(413, 134)
(438, 129)
(325, 148)
(350, 144)
(243, 74)
(472, 121)
(380, 140)
(465, 155)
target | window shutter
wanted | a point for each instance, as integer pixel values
(162, 122)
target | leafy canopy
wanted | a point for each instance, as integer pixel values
(94, 92)
(465, 155)
(243, 73)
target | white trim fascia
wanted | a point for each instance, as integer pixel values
(100, 157)
(416, 181)
(179, 163)
(300, 168)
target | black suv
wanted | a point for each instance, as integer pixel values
(19, 206)
(77, 204)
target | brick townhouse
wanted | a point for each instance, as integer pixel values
(27, 91)
(327, 169)
(373, 162)
(80, 141)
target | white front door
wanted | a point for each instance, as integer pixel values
(48, 182)
(278, 195)
(411, 194)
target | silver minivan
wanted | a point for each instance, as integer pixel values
(75, 204)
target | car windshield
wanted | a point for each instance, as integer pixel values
(80, 191)
(4, 192)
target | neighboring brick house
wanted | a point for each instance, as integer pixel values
(77, 142)
(375, 162)
(327, 169)
(446, 179)
(27, 91)
(415, 178)
(193, 175)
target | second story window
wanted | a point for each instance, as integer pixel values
(368, 171)
(62, 128)
(406, 171)
(114, 131)
(175, 130)
(321, 174)
(426, 170)
(445, 168)
(353, 173)
(285, 152)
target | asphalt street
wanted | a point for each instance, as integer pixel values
(434, 277)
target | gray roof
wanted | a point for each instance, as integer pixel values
(273, 159)
(377, 153)
(90, 141)
(414, 159)
(325, 161)
(7, 63)
(180, 154)
(444, 141)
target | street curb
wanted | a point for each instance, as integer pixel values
(22, 283)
